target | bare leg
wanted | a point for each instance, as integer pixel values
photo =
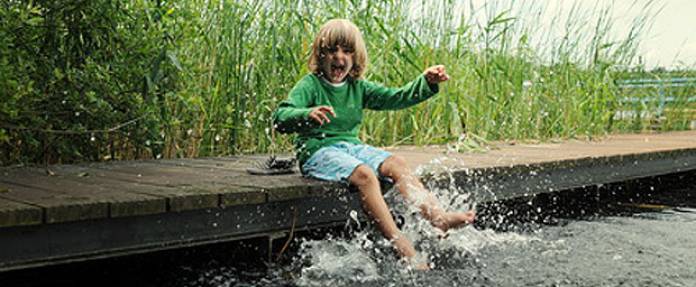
(376, 208)
(413, 190)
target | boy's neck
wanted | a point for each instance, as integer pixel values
(337, 85)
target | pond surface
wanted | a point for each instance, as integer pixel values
(631, 234)
(635, 243)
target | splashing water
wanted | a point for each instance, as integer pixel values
(369, 257)
(336, 261)
(611, 250)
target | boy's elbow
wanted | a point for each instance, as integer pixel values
(277, 125)
(285, 123)
(281, 127)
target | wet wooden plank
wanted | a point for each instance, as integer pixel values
(237, 164)
(204, 163)
(120, 201)
(178, 198)
(161, 175)
(277, 187)
(184, 190)
(14, 213)
(231, 196)
(57, 206)
(287, 187)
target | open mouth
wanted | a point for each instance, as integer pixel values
(337, 70)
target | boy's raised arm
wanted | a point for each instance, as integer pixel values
(378, 97)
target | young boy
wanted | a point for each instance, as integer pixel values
(326, 107)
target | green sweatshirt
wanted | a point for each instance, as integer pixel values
(348, 102)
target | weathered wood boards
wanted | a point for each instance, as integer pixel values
(13, 213)
(66, 213)
(69, 193)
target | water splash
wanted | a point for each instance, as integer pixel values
(339, 261)
(368, 257)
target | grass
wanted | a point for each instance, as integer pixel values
(512, 75)
(510, 80)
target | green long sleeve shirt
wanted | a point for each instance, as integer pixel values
(348, 102)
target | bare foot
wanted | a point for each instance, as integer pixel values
(454, 220)
(421, 266)
(404, 247)
(411, 264)
(408, 254)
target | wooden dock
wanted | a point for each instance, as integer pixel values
(67, 213)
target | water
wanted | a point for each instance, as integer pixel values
(633, 234)
(643, 248)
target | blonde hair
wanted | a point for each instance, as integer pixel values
(339, 32)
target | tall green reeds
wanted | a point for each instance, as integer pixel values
(217, 69)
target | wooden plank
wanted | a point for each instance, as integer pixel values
(165, 175)
(177, 198)
(120, 201)
(57, 206)
(183, 190)
(227, 164)
(286, 187)
(502, 154)
(278, 187)
(233, 196)
(14, 213)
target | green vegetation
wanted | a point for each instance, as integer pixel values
(96, 80)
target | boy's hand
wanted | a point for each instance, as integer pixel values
(436, 74)
(319, 114)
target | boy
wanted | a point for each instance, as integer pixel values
(325, 109)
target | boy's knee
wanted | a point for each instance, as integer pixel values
(394, 165)
(363, 175)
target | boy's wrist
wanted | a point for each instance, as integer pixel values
(434, 87)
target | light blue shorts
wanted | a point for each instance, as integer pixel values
(338, 161)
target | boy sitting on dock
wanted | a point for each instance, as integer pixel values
(326, 107)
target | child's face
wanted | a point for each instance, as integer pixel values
(336, 63)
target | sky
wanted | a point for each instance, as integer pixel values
(670, 40)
